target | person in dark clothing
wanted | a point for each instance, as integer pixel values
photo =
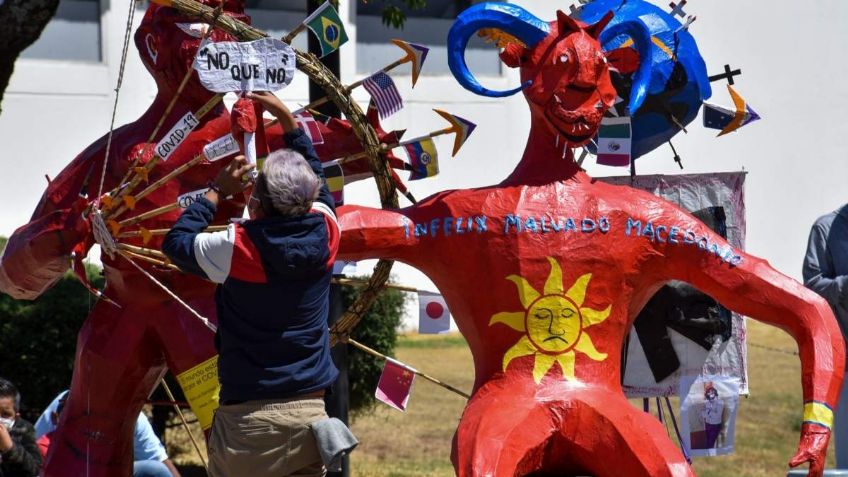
(272, 301)
(19, 455)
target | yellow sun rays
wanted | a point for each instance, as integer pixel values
(550, 334)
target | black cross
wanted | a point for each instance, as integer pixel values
(728, 75)
(678, 9)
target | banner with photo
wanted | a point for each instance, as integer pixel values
(681, 331)
(708, 407)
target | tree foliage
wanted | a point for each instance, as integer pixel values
(394, 15)
(377, 330)
(38, 338)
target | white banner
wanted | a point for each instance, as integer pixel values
(220, 148)
(262, 65)
(659, 349)
(176, 136)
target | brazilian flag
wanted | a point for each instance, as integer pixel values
(327, 26)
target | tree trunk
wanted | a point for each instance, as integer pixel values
(21, 23)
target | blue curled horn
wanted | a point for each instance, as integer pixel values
(507, 17)
(644, 46)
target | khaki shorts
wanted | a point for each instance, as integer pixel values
(266, 438)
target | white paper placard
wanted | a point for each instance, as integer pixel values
(220, 148)
(168, 144)
(189, 198)
(267, 64)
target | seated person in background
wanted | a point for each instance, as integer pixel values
(19, 456)
(151, 459)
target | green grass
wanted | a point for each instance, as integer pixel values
(417, 442)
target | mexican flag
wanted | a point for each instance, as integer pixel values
(614, 141)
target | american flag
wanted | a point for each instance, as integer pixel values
(385, 93)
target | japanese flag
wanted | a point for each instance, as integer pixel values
(433, 316)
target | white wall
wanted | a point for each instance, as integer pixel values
(790, 54)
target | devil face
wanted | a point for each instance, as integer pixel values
(570, 86)
(168, 42)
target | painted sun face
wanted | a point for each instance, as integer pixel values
(553, 322)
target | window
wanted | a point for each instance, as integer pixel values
(72, 35)
(278, 17)
(429, 27)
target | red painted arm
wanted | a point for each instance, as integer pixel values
(373, 233)
(750, 286)
(38, 253)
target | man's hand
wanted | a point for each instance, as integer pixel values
(273, 105)
(812, 448)
(6, 443)
(232, 179)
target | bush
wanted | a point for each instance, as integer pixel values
(377, 330)
(38, 339)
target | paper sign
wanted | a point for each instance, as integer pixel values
(189, 198)
(262, 65)
(168, 144)
(708, 414)
(220, 148)
(200, 387)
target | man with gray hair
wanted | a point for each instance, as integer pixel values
(273, 299)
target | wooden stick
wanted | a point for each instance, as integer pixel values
(185, 423)
(149, 252)
(292, 34)
(160, 182)
(150, 213)
(419, 373)
(357, 283)
(154, 232)
(151, 260)
(355, 84)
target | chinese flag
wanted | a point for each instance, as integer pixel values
(395, 384)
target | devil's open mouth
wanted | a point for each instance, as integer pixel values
(576, 127)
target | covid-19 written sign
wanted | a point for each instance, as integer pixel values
(262, 65)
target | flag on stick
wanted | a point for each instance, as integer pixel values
(335, 180)
(395, 384)
(433, 316)
(308, 123)
(424, 159)
(327, 27)
(614, 141)
(461, 126)
(381, 87)
(415, 54)
(726, 120)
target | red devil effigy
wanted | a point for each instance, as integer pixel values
(128, 343)
(545, 273)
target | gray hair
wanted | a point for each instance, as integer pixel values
(289, 183)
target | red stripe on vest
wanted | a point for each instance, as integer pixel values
(334, 236)
(246, 264)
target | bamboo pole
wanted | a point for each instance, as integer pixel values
(149, 252)
(413, 370)
(160, 182)
(155, 232)
(185, 423)
(150, 213)
(356, 283)
(151, 260)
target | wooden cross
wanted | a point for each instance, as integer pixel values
(677, 10)
(728, 75)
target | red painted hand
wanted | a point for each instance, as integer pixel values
(812, 448)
